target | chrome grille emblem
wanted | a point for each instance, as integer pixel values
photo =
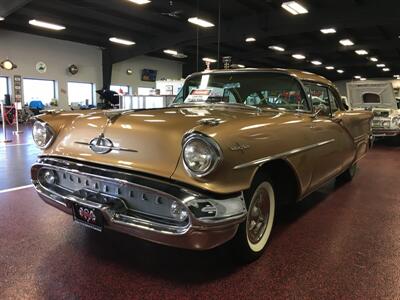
(101, 145)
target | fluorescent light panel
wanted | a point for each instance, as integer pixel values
(346, 42)
(208, 59)
(374, 59)
(316, 62)
(121, 41)
(362, 52)
(241, 66)
(340, 71)
(330, 67)
(294, 8)
(298, 56)
(328, 30)
(276, 48)
(1, 18)
(357, 77)
(140, 2)
(170, 52)
(250, 39)
(381, 65)
(200, 22)
(46, 25)
(363, 79)
(385, 69)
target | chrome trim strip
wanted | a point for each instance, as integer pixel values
(105, 147)
(281, 155)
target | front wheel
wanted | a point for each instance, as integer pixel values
(253, 234)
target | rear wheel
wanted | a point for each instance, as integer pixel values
(348, 175)
(253, 234)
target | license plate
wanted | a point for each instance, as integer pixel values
(89, 217)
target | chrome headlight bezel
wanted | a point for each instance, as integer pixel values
(396, 121)
(50, 134)
(215, 150)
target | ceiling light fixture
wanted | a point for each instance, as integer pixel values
(140, 2)
(330, 67)
(294, 8)
(374, 59)
(1, 18)
(381, 65)
(363, 79)
(276, 48)
(316, 62)
(46, 25)
(385, 69)
(357, 77)
(250, 39)
(298, 56)
(328, 30)
(179, 55)
(361, 52)
(8, 65)
(340, 71)
(170, 52)
(200, 22)
(396, 75)
(210, 60)
(241, 66)
(346, 42)
(121, 41)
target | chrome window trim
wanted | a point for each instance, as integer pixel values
(282, 155)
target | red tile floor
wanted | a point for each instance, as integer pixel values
(340, 243)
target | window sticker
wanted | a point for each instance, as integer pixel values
(198, 95)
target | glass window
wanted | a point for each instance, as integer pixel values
(333, 100)
(3, 87)
(143, 91)
(120, 89)
(319, 97)
(80, 93)
(371, 98)
(39, 90)
(258, 89)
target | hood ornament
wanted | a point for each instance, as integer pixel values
(103, 145)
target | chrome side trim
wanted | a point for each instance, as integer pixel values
(282, 155)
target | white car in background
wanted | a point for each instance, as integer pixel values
(377, 96)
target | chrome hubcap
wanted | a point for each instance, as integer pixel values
(257, 219)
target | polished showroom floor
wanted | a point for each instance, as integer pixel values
(342, 242)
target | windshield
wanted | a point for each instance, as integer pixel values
(274, 90)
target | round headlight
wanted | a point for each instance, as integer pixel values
(396, 121)
(386, 124)
(42, 134)
(200, 155)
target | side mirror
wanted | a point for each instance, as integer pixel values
(346, 107)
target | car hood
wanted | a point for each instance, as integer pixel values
(147, 141)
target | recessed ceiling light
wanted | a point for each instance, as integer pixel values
(381, 65)
(140, 2)
(357, 77)
(340, 71)
(250, 39)
(121, 41)
(294, 8)
(200, 22)
(276, 48)
(170, 52)
(385, 69)
(316, 62)
(1, 18)
(179, 55)
(346, 42)
(46, 25)
(208, 59)
(241, 66)
(374, 59)
(328, 30)
(330, 67)
(361, 52)
(396, 75)
(363, 79)
(8, 65)
(298, 56)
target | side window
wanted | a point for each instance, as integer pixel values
(334, 102)
(319, 97)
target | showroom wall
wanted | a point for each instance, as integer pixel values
(25, 50)
(166, 69)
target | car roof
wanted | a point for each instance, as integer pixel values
(302, 75)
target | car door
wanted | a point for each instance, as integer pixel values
(338, 151)
(356, 123)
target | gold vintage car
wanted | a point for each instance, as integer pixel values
(210, 168)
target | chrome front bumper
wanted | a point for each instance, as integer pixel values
(382, 132)
(137, 204)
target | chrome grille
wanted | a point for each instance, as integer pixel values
(135, 198)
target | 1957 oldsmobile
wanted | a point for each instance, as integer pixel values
(209, 169)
